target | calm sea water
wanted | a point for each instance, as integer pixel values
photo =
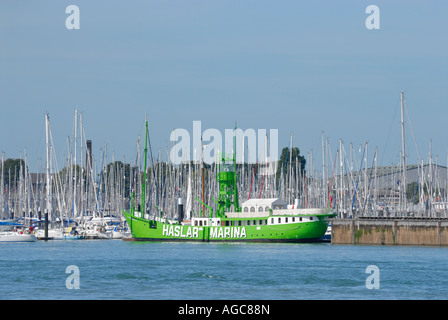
(114, 269)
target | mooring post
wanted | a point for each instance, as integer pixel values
(46, 225)
(395, 231)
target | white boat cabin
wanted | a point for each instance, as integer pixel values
(263, 205)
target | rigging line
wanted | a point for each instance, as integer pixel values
(412, 130)
(390, 129)
(99, 184)
(262, 184)
(281, 177)
(370, 180)
(153, 169)
(255, 170)
(330, 200)
(359, 174)
(349, 170)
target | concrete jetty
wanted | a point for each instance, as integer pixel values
(390, 231)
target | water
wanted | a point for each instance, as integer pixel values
(115, 269)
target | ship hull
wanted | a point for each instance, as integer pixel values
(244, 231)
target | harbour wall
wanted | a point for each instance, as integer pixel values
(419, 232)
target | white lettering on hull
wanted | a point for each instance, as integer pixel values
(179, 231)
(227, 232)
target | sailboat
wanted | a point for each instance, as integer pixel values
(18, 235)
(257, 220)
(53, 233)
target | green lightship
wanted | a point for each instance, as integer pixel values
(257, 220)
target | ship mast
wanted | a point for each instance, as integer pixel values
(143, 209)
(227, 179)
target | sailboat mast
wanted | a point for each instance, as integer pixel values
(47, 129)
(290, 201)
(81, 167)
(75, 166)
(403, 144)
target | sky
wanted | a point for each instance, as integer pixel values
(306, 68)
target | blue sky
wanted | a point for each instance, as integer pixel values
(300, 67)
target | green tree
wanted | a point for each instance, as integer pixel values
(12, 170)
(413, 191)
(286, 157)
(63, 174)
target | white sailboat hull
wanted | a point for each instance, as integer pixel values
(17, 237)
(53, 234)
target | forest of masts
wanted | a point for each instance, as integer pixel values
(341, 181)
